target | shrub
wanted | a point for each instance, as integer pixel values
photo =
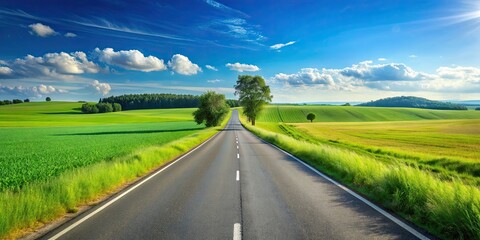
(478, 108)
(48, 99)
(26, 100)
(117, 107)
(89, 108)
(6, 102)
(15, 101)
(104, 107)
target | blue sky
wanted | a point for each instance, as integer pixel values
(308, 51)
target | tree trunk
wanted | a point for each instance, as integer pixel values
(311, 120)
(253, 121)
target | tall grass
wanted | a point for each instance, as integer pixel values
(44, 201)
(450, 210)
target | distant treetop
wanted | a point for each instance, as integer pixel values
(413, 102)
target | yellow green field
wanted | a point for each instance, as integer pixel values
(458, 139)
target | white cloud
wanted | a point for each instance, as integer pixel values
(35, 91)
(211, 68)
(382, 72)
(281, 45)
(306, 76)
(214, 81)
(413, 56)
(131, 60)
(50, 64)
(182, 65)
(382, 59)
(102, 88)
(385, 77)
(70, 35)
(241, 67)
(225, 8)
(41, 30)
(5, 71)
(458, 72)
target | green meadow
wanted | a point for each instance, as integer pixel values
(422, 164)
(54, 158)
(297, 114)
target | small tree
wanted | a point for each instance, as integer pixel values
(26, 100)
(311, 117)
(15, 101)
(211, 110)
(478, 108)
(48, 99)
(253, 94)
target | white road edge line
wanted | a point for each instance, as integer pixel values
(123, 194)
(372, 205)
(237, 231)
(238, 155)
(238, 175)
(237, 147)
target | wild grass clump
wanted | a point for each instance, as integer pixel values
(44, 201)
(450, 210)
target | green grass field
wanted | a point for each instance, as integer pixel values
(34, 152)
(68, 114)
(54, 158)
(297, 114)
(422, 164)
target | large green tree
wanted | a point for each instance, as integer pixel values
(211, 110)
(253, 94)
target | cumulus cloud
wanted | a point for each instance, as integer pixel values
(386, 77)
(35, 91)
(131, 60)
(70, 35)
(50, 64)
(306, 76)
(102, 88)
(241, 67)
(458, 72)
(5, 71)
(182, 65)
(211, 68)
(41, 30)
(382, 72)
(281, 45)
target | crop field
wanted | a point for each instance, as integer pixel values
(443, 141)
(34, 152)
(297, 114)
(457, 139)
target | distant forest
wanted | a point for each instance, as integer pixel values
(157, 100)
(413, 102)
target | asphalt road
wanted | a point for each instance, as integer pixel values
(202, 196)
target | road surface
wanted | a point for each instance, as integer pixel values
(234, 186)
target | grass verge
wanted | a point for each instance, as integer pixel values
(450, 210)
(42, 202)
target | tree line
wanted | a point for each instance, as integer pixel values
(414, 102)
(158, 100)
(14, 101)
